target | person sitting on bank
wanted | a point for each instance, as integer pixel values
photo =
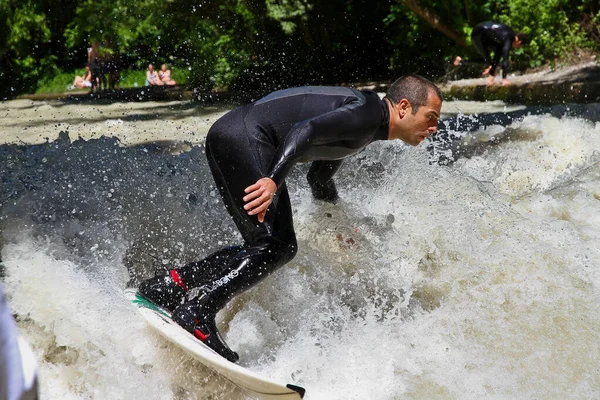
(493, 36)
(152, 78)
(84, 81)
(165, 76)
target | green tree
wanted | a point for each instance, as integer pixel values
(266, 44)
(22, 52)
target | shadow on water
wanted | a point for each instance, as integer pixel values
(469, 135)
(150, 206)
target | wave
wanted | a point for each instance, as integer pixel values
(463, 279)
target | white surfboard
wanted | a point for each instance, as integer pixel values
(253, 384)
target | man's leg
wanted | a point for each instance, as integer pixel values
(482, 48)
(168, 289)
(495, 61)
(320, 179)
(237, 160)
(250, 266)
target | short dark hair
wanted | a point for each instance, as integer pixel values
(523, 37)
(413, 88)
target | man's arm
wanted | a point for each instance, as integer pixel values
(343, 123)
(320, 179)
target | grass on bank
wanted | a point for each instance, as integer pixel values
(61, 82)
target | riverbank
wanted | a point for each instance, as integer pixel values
(34, 122)
(578, 83)
(570, 84)
(176, 115)
(165, 123)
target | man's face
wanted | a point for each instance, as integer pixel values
(418, 126)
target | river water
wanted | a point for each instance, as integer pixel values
(465, 268)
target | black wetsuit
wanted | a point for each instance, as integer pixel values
(265, 139)
(491, 36)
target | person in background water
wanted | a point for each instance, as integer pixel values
(98, 79)
(110, 64)
(492, 36)
(152, 78)
(18, 370)
(165, 76)
(251, 151)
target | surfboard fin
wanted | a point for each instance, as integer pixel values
(298, 389)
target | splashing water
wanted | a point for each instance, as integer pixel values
(474, 278)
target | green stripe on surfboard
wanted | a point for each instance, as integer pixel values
(143, 302)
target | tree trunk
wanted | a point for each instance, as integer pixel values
(467, 12)
(434, 21)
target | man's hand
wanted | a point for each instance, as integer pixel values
(259, 197)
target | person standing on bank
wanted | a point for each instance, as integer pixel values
(250, 151)
(492, 36)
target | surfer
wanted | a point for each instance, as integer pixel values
(251, 150)
(492, 36)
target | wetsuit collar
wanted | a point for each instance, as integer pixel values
(383, 131)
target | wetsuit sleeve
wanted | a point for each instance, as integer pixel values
(344, 123)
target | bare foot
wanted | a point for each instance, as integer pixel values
(457, 61)
(486, 71)
(491, 80)
(505, 82)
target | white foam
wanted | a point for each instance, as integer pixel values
(477, 280)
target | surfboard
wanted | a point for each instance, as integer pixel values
(254, 385)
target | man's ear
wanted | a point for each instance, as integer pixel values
(403, 107)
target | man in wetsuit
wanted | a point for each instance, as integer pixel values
(250, 152)
(499, 38)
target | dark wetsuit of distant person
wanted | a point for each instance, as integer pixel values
(250, 152)
(492, 36)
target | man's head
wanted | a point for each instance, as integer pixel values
(415, 104)
(520, 40)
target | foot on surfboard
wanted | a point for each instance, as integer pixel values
(165, 290)
(189, 316)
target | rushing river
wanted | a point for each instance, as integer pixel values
(465, 268)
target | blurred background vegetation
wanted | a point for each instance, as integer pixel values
(267, 44)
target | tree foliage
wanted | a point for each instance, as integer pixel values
(253, 44)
